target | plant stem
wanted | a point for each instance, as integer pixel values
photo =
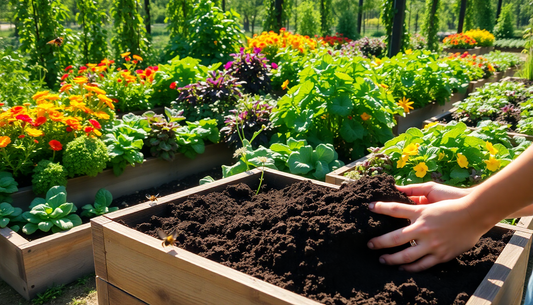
(260, 179)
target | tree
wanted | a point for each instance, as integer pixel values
(130, 32)
(326, 17)
(431, 24)
(505, 26)
(277, 12)
(93, 34)
(479, 14)
(347, 23)
(309, 22)
(178, 12)
(249, 10)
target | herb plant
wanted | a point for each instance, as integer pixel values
(52, 212)
(102, 202)
(192, 137)
(162, 136)
(46, 175)
(8, 186)
(85, 156)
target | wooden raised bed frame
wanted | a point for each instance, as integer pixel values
(30, 267)
(133, 267)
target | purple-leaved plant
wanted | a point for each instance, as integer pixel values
(253, 70)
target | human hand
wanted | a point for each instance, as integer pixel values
(431, 192)
(442, 231)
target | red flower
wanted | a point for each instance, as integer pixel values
(39, 121)
(95, 124)
(37, 142)
(24, 117)
(127, 58)
(22, 136)
(69, 67)
(83, 68)
(55, 145)
(173, 85)
(69, 129)
(64, 76)
(88, 129)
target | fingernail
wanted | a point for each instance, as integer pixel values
(370, 245)
(382, 260)
(371, 205)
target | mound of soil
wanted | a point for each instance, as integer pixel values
(312, 240)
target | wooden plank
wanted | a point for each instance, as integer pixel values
(526, 222)
(59, 258)
(99, 246)
(11, 263)
(152, 173)
(139, 265)
(112, 295)
(505, 281)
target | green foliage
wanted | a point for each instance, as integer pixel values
(502, 61)
(510, 43)
(337, 101)
(8, 185)
(422, 78)
(431, 24)
(192, 138)
(479, 14)
(41, 21)
(505, 26)
(387, 17)
(309, 22)
(50, 294)
(326, 17)
(527, 69)
(124, 140)
(449, 154)
(47, 174)
(102, 201)
(93, 37)
(179, 72)
(85, 156)
(178, 12)
(272, 21)
(52, 212)
(9, 214)
(212, 35)
(296, 157)
(162, 136)
(347, 24)
(130, 33)
(18, 85)
(290, 62)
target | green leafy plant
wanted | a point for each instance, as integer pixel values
(102, 202)
(10, 214)
(162, 136)
(505, 26)
(47, 174)
(93, 37)
(8, 186)
(124, 141)
(502, 61)
(85, 156)
(192, 137)
(51, 213)
(128, 24)
(527, 70)
(51, 293)
(296, 157)
(450, 154)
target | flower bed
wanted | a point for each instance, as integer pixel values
(137, 267)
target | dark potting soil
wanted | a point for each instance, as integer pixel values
(312, 240)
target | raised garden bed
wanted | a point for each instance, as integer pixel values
(134, 267)
(31, 267)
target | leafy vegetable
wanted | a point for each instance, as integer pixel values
(102, 201)
(9, 214)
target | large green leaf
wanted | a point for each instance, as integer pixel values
(30, 228)
(459, 173)
(3, 222)
(103, 198)
(237, 168)
(300, 161)
(6, 209)
(352, 130)
(324, 153)
(322, 169)
(45, 226)
(341, 105)
(56, 196)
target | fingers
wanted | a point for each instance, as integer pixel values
(422, 264)
(392, 239)
(403, 257)
(419, 199)
(394, 209)
(421, 189)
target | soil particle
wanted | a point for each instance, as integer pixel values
(312, 240)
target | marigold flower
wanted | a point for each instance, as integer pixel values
(137, 57)
(64, 77)
(51, 97)
(39, 94)
(4, 141)
(21, 136)
(80, 80)
(493, 164)
(33, 132)
(462, 161)
(125, 54)
(73, 123)
(39, 121)
(421, 169)
(285, 84)
(95, 124)
(127, 58)
(55, 145)
(65, 88)
(24, 118)
(411, 149)
(68, 68)
(491, 148)
(102, 115)
(106, 100)
(55, 116)
(365, 116)
(405, 104)
(403, 160)
(88, 129)
(91, 66)
(94, 89)
(107, 62)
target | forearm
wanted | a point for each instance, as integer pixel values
(527, 211)
(505, 193)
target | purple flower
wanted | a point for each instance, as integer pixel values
(257, 50)
(274, 65)
(228, 65)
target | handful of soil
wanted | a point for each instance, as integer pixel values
(311, 240)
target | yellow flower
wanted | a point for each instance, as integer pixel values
(39, 94)
(377, 61)
(430, 125)
(441, 155)
(76, 98)
(492, 164)
(106, 100)
(421, 169)
(462, 161)
(66, 87)
(365, 116)
(405, 104)
(94, 89)
(91, 66)
(285, 84)
(80, 80)
(125, 54)
(491, 148)
(32, 132)
(137, 57)
(4, 141)
(101, 115)
(411, 149)
(51, 97)
(403, 160)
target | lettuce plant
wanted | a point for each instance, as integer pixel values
(102, 201)
(192, 137)
(296, 157)
(8, 186)
(10, 214)
(52, 212)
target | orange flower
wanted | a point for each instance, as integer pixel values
(101, 115)
(94, 89)
(285, 84)
(73, 123)
(55, 116)
(4, 141)
(65, 88)
(39, 94)
(137, 57)
(365, 116)
(106, 100)
(55, 145)
(125, 54)
(80, 80)
(32, 132)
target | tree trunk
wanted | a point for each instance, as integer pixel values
(253, 25)
(295, 16)
(397, 28)
(223, 5)
(246, 24)
(278, 10)
(147, 21)
(498, 10)
(359, 16)
(462, 12)
(416, 22)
